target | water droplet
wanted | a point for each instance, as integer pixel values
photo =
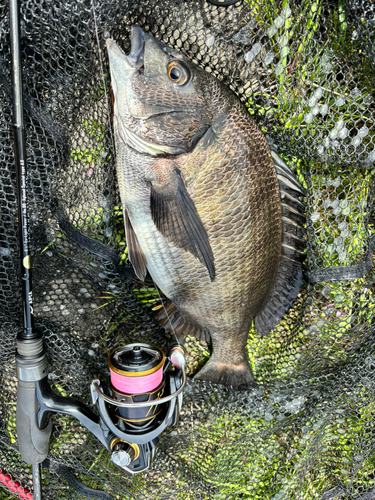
(286, 12)
(362, 132)
(243, 36)
(210, 41)
(340, 101)
(333, 134)
(272, 30)
(371, 158)
(356, 92)
(343, 133)
(268, 58)
(279, 69)
(249, 56)
(283, 41)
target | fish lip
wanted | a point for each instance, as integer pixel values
(114, 48)
(137, 49)
(115, 53)
(136, 56)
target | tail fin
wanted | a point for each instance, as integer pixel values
(237, 375)
(289, 274)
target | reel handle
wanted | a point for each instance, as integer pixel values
(32, 368)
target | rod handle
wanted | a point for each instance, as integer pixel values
(33, 442)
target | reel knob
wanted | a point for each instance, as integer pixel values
(121, 458)
(123, 453)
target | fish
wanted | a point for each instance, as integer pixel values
(210, 209)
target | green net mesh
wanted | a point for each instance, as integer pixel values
(305, 69)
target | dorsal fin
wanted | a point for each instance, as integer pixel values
(288, 280)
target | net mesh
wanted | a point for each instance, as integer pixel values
(305, 70)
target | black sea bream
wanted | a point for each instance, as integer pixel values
(210, 211)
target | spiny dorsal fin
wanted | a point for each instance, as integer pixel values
(288, 280)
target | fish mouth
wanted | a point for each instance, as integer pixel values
(135, 58)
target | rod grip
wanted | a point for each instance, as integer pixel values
(33, 442)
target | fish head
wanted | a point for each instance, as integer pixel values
(161, 99)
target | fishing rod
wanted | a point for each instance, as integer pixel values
(30, 353)
(145, 395)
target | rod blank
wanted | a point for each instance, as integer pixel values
(21, 168)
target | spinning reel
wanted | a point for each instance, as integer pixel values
(144, 398)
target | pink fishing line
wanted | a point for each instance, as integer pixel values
(136, 385)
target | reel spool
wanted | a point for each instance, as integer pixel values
(137, 376)
(144, 399)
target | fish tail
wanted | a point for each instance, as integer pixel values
(288, 280)
(237, 375)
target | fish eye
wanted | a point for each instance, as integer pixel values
(178, 72)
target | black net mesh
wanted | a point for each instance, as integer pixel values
(306, 71)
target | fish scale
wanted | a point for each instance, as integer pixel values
(204, 196)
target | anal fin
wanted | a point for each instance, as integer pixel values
(170, 318)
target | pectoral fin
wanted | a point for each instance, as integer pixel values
(175, 216)
(136, 256)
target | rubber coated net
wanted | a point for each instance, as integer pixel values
(306, 71)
